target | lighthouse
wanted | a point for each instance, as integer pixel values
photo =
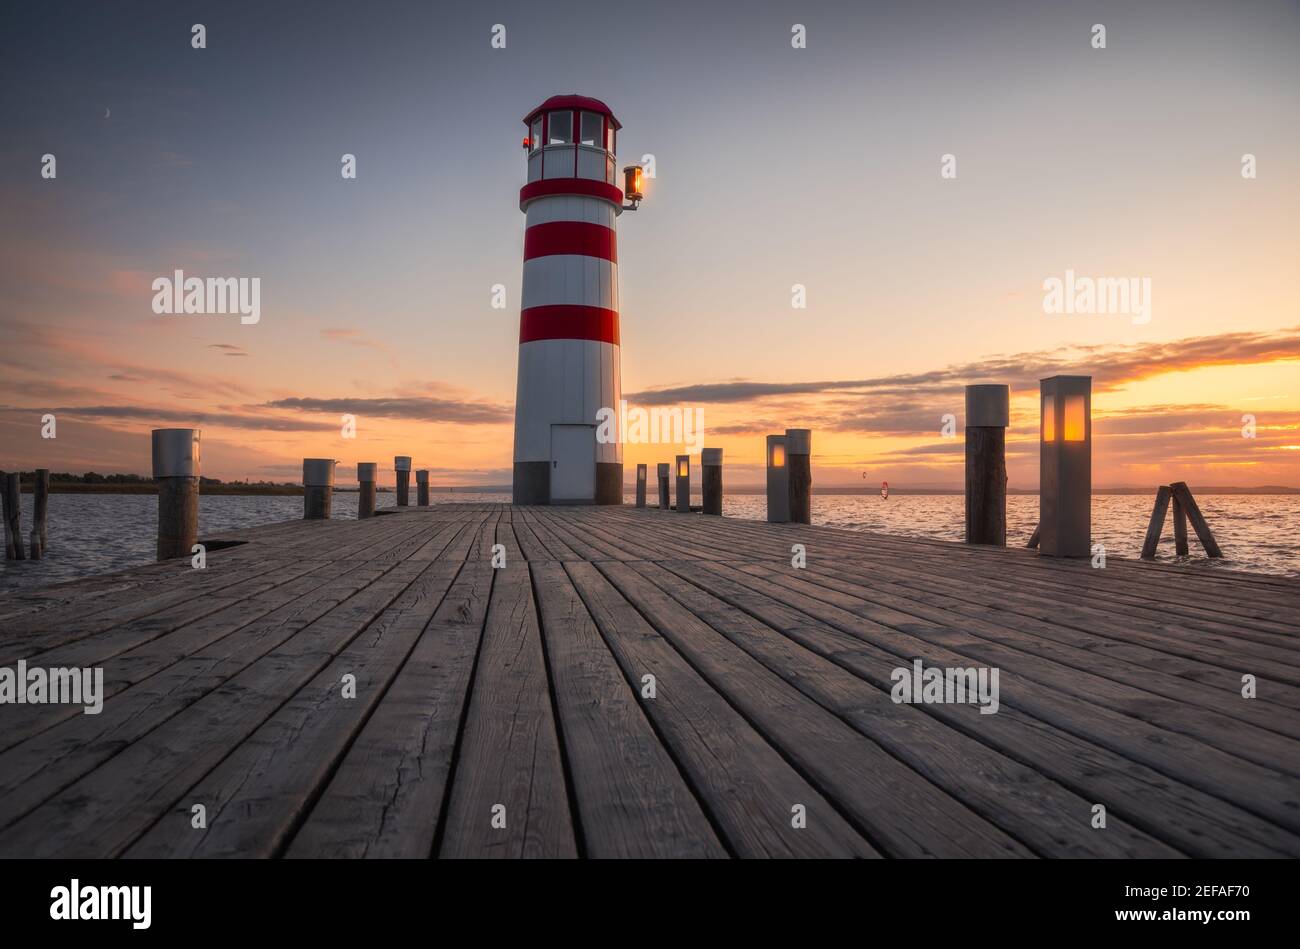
(568, 321)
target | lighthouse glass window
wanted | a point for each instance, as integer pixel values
(560, 128)
(535, 134)
(591, 128)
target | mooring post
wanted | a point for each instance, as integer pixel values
(317, 488)
(1180, 527)
(1065, 467)
(422, 487)
(176, 469)
(640, 485)
(711, 479)
(1184, 495)
(402, 464)
(684, 484)
(988, 412)
(367, 472)
(778, 481)
(798, 451)
(41, 496)
(1156, 526)
(13, 517)
(664, 504)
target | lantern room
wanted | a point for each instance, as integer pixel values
(572, 137)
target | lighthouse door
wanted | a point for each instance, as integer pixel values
(573, 463)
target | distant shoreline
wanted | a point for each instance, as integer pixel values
(288, 490)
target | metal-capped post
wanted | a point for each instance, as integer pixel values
(988, 412)
(367, 473)
(317, 488)
(176, 469)
(422, 487)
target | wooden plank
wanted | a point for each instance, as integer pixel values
(749, 790)
(257, 794)
(509, 753)
(388, 792)
(631, 799)
(1194, 822)
(102, 813)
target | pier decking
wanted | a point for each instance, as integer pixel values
(507, 712)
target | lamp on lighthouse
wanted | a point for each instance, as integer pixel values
(632, 183)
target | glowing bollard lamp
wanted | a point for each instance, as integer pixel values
(640, 485)
(684, 484)
(778, 481)
(1065, 467)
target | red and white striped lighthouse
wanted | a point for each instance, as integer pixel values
(568, 326)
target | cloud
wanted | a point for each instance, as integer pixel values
(418, 408)
(1110, 366)
(228, 349)
(188, 418)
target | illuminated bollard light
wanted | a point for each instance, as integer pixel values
(778, 481)
(664, 470)
(988, 411)
(1065, 467)
(798, 462)
(176, 468)
(317, 488)
(683, 484)
(422, 487)
(711, 479)
(402, 465)
(367, 473)
(640, 485)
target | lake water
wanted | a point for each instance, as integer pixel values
(100, 533)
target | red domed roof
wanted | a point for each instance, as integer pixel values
(574, 102)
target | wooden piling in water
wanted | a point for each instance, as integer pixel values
(640, 485)
(317, 488)
(367, 472)
(987, 416)
(1180, 528)
(663, 486)
(402, 465)
(422, 487)
(798, 450)
(41, 505)
(1033, 538)
(176, 469)
(1157, 524)
(1203, 534)
(711, 480)
(13, 517)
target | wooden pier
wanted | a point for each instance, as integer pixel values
(509, 712)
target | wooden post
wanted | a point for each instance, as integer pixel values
(317, 488)
(663, 486)
(13, 517)
(683, 484)
(41, 495)
(987, 416)
(1157, 525)
(798, 450)
(778, 481)
(640, 485)
(176, 468)
(1184, 495)
(402, 464)
(367, 471)
(711, 479)
(422, 487)
(1180, 528)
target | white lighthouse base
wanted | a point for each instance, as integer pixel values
(532, 484)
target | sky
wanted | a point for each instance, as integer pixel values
(775, 166)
